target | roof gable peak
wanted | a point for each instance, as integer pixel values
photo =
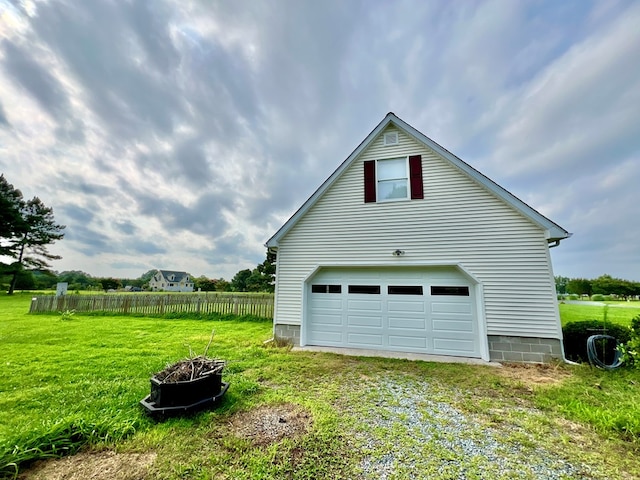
(554, 232)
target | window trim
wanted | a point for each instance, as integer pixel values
(406, 178)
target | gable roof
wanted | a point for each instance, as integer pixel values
(179, 276)
(554, 232)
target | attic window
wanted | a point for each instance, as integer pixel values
(391, 138)
(393, 179)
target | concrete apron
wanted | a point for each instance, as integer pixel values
(423, 357)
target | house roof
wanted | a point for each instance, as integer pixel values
(554, 232)
(177, 275)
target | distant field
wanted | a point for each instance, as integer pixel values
(616, 312)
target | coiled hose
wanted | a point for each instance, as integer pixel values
(592, 353)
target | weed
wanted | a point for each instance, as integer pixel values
(67, 315)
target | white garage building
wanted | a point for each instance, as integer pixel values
(407, 248)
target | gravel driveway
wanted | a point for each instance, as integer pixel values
(410, 429)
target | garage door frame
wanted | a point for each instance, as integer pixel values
(473, 280)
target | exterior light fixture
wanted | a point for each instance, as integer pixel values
(397, 253)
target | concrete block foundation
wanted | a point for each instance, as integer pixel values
(524, 349)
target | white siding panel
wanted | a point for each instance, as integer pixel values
(458, 221)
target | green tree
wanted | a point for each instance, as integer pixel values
(561, 284)
(262, 277)
(145, 278)
(110, 283)
(11, 221)
(44, 279)
(222, 285)
(239, 281)
(25, 280)
(78, 280)
(36, 231)
(579, 286)
(205, 284)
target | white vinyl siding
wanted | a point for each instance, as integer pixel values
(458, 221)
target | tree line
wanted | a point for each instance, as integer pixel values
(603, 285)
(259, 279)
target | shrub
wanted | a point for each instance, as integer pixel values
(575, 336)
(597, 298)
(630, 349)
(573, 297)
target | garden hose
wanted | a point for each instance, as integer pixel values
(593, 354)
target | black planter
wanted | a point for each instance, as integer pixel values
(178, 397)
(185, 393)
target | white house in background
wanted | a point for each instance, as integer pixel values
(407, 248)
(170, 281)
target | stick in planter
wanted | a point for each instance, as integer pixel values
(209, 344)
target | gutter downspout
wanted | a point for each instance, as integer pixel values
(564, 358)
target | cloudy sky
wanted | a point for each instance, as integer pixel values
(182, 134)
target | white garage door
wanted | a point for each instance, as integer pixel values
(411, 310)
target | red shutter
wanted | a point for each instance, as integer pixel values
(415, 177)
(369, 181)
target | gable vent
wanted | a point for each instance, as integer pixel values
(391, 138)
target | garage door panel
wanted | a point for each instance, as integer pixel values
(364, 321)
(451, 325)
(326, 337)
(365, 340)
(406, 341)
(419, 323)
(451, 307)
(400, 306)
(326, 303)
(354, 305)
(325, 319)
(453, 347)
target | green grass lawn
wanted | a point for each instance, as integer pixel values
(76, 382)
(616, 312)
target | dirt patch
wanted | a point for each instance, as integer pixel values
(534, 374)
(271, 423)
(105, 465)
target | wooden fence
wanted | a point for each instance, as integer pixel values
(259, 304)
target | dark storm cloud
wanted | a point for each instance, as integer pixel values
(69, 184)
(204, 217)
(145, 247)
(192, 163)
(41, 84)
(79, 214)
(125, 227)
(150, 21)
(89, 241)
(97, 44)
(3, 117)
(228, 249)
